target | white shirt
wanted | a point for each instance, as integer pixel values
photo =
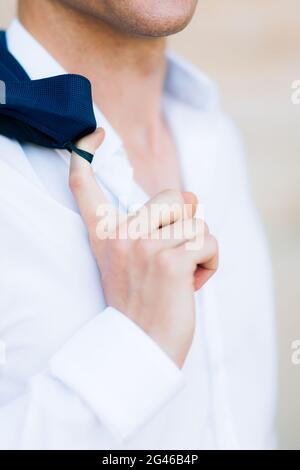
(78, 373)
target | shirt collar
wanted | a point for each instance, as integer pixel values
(38, 63)
(188, 85)
(184, 84)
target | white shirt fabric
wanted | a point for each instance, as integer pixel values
(80, 375)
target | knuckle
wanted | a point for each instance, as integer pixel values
(214, 243)
(119, 248)
(77, 181)
(216, 255)
(205, 228)
(166, 264)
(143, 249)
(186, 266)
(177, 206)
(174, 196)
(93, 236)
(202, 227)
(214, 249)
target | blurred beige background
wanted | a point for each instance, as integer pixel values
(252, 48)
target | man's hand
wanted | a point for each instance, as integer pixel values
(150, 277)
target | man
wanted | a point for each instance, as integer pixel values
(106, 344)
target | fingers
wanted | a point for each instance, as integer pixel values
(170, 236)
(91, 142)
(204, 253)
(162, 210)
(87, 193)
(180, 232)
(199, 256)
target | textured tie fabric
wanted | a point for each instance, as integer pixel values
(52, 112)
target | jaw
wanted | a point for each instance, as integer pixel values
(149, 19)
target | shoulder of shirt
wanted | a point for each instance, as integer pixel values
(189, 86)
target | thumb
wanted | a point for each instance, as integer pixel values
(91, 142)
(86, 191)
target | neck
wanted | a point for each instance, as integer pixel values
(126, 72)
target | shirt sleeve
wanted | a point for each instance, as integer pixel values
(100, 378)
(110, 374)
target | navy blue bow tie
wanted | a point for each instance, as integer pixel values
(52, 112)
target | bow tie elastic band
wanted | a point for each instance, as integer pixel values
(52, 112)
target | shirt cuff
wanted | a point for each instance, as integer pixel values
(118, 371)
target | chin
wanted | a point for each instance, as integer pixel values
(149, 18)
